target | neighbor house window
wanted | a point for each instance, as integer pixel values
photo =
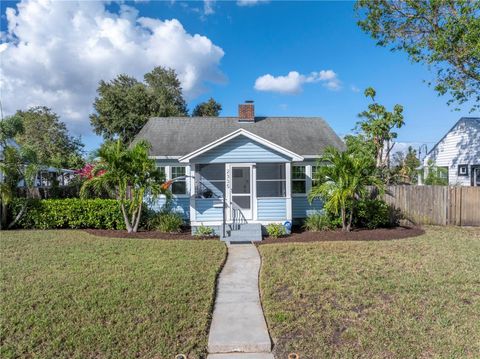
(210, 180)
(179, 186)
(443, 174)
(163, 172)
(463, 170)
(271, 180)
(299, 180)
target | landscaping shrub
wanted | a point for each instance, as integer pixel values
(276, 230)
(169, 222)
(71, 213)
(321, 222)
(375, 213)
(204, 231)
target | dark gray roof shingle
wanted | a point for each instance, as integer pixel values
(178, 136)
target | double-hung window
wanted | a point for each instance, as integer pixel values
(179, 186)
(314, 175)
(299, 180)
(271, 180)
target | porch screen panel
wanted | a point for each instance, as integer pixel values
(210, 180)
(271, 180)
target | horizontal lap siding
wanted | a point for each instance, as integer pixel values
(205, 210)
(179, 205)
(274, 209)
(241, 149)
(301, 208)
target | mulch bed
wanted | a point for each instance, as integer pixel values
(185, 234)
(380, 234)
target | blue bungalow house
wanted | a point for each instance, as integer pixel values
(235, 174)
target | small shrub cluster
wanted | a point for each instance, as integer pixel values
(165, 221)
(321, 222)
(204, 231)
(276, 230)
(375, 213)
(71, 213)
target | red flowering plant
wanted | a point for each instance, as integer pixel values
(87, 172)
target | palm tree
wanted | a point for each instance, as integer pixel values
(127, 174)
(342, 179)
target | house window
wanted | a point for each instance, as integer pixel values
(163, 172)
(271, 180)
(314, 175)
(179, 187)
(299, 180)
(210, 180)
(463, 170)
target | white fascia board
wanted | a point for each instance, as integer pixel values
(241, 132)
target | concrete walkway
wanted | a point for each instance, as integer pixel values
(238, 325)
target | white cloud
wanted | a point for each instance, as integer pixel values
(208, 7)
(354, 88)
(294, 81)
(250, 2)
(55, 53)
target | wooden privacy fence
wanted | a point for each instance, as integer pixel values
(441, 205)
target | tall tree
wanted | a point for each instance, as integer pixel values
(48, 137)
(124, 105)
(377, 126)
(210, 108)
(444, 34)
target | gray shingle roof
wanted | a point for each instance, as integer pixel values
(178, 136)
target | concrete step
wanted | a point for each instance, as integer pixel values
(247, 232)
(241, 356)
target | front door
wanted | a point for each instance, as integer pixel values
(240, 188)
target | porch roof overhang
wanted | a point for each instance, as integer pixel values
(241, 132)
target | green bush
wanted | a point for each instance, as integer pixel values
(169, 222)
(204, 231)
(71, 213)
(276, 230)
(321, 222)
(375, 213)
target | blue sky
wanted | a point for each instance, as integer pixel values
(266, 38)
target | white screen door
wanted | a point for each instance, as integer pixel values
(241, 188)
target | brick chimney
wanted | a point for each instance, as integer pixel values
(246, 112)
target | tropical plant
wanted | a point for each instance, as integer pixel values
(341, 180)
(166, 221)
(204, 231)
(127, 174)
(276, 230)
(321, 222)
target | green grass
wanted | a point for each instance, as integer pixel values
(409, 298)
(68, 294)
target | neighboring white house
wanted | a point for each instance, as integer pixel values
(459, 153)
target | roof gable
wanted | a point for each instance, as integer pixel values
(239, 145)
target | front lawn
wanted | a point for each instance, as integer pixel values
(68, 294)
(415, 298)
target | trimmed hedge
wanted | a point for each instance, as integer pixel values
(71, 213)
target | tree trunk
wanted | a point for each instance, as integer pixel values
(18, 216)
(139, 214)
(344, 219)
(3, 220)
(350, 219)
(125, 218)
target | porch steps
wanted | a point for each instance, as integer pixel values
(247, 232)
